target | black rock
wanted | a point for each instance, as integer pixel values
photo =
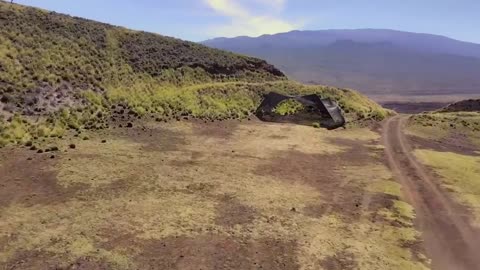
(5, 98)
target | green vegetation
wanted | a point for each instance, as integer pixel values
(39, 47)
(288, 107)
(460, 174)
(440, 125)
(233, 100)
(60, 73)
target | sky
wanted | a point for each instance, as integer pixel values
(198, 20)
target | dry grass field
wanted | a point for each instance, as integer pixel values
(228, 195)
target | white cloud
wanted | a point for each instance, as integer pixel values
(278, 5)
(244, 21)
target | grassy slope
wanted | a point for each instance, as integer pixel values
(459, 173)
(43, 53)
(441, 125)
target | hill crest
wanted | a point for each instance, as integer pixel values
(375, 61)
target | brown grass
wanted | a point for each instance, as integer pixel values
(183, 189)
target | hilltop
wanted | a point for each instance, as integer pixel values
(374, 61)
(59, 72)
(470, 105)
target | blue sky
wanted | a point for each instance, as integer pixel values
(198, 20)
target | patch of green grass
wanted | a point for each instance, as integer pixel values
(386, 186)
(459, 173)
(288, 107)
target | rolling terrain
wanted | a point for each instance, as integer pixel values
(384, 64)
(60, 73)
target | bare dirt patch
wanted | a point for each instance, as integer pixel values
(151, 138)
(340, 261)
(221, 130)
(217, 252)
(231, 212)
(456, 143)
(321, 172)
(34, 260)
(30, 182)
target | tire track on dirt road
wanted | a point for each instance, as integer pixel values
(450, 241)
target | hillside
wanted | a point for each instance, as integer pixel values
(59, 72)
(470, 105)
(372, 61)
(43, 49)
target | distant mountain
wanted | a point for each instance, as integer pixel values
(372, 60)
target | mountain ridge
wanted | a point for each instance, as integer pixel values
(372, 61)
(336, 34)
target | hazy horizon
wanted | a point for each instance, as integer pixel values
(206, 19)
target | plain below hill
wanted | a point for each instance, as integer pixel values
(374, 61)
(60, 73)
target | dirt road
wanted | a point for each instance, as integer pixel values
(451, 242)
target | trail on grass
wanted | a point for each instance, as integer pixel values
(450, 241)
